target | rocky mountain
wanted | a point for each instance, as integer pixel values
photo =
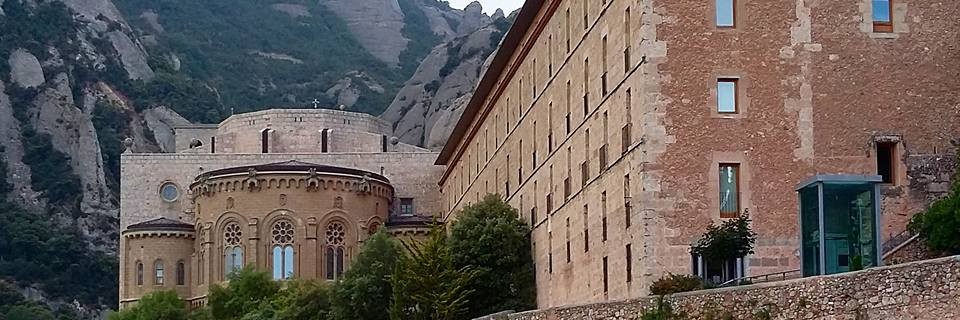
(428, 106)
(79, 76)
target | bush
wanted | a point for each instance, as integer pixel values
(662, 311)
(938, 225)
(160, 305)
(675, 283)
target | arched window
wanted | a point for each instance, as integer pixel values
(232, 248)
(181, 274)
(282, 233)
(158, 273)
(335, 250)
(139, 273)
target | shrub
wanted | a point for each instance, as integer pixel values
(662, 311)
(938, 225)
(674, 283)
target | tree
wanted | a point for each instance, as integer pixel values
(427, 284)
(303, 300)
(248, 291)
(938, 225)
(490, 237)
(365, 291)
(731, 240)
(160, 305)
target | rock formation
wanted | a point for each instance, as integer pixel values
(428, 106)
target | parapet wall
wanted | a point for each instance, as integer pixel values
(927, 289)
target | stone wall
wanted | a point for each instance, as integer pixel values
(919, 290)
(413, 175)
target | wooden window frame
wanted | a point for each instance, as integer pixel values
(883, 26)
(736, 95)
(891, 147)
(735, 214)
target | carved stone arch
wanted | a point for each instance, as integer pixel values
(337, 216)
(373, 224)
(339, 185)
(236, 185)
(282, 183)
(280, 214)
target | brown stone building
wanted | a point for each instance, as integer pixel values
(290, 192)
(622, 128)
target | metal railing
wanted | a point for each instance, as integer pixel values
(897, 240)
(777, 276)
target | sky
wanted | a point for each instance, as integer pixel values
(489, 6)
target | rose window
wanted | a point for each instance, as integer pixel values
(232, 234)
(335, 233)
(283, 232)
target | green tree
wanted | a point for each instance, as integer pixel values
(731, 240)
(160, 305)
(303, 300)
(248, 291)
(490, 237)
(427, 284)
(938, 226)
(365, 291)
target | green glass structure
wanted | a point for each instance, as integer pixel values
(839, 224)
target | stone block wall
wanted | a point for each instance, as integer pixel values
(413, 175)
(920, 290)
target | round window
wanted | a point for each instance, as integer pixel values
(169, 192)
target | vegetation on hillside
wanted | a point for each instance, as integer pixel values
(219, 43)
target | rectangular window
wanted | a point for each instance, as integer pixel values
(566, 25)
(533, 216)
(727, 95)
(550, 252)
(627, 201)
(886, 161)
(603, 64)
(729, 190)
(568, 240)
(606, 282)
(566, 188)
(213, 144)
(603, 216)
(882, 15)
(584, 173)
(628, 40)
(406, 206)
(586, 229)
(625, 137)
(549, 203)
(629, 263)
(726, 13)
(586, 87)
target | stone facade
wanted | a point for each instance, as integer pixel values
(327, 191)
(919, 290)
(599, 121)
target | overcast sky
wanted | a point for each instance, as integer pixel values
(489, 6)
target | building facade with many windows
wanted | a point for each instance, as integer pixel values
(621, 129)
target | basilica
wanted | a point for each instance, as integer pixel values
(290, 192)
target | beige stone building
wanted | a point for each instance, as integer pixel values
(290, 192)
(622, 128)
